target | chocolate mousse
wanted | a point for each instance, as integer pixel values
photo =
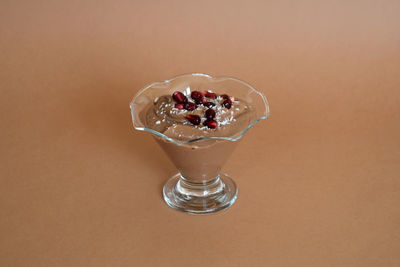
(194, 119)
(207, 113)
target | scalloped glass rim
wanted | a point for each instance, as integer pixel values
(233, 138)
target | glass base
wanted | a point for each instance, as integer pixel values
(197, 198)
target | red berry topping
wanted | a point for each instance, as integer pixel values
(212, 124)
(196, 95)
(227, 103)
(200, 101)
(179, 106)
(209, 104)
(179, 97)
(194, 119)
(210, 114)
(190, 106)
(210, 95)
(224, 96)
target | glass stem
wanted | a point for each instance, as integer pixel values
(203, 189)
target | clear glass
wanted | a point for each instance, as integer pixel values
(199, 186)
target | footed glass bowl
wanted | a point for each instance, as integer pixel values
(199, 186)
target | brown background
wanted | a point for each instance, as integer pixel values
(318, 182)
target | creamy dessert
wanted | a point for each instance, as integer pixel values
(199, 115)
(192, 117)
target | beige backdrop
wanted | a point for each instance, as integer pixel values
(318, 182)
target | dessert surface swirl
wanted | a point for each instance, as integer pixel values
(198, 114)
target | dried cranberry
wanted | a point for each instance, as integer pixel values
(210, 95)
(209, 104)
(194, 119)
(190, 106)
(210, 114)
(179, 106)
(212, 124)
(179, 97)
(227, 103)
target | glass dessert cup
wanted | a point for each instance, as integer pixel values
(199, 186)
